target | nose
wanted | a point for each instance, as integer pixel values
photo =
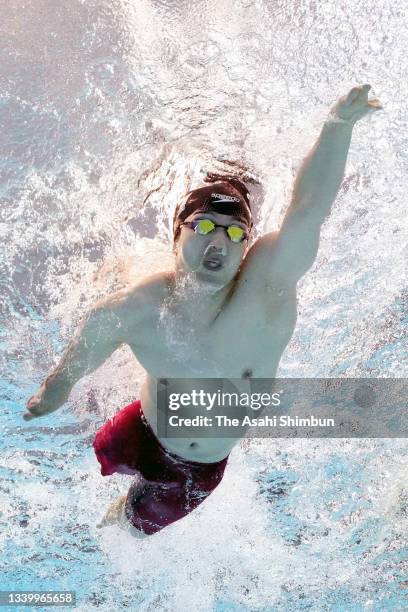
(218, 241)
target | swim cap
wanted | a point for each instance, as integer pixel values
(220, 197)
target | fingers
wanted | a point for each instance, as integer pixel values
(33, 409)
(34, 400)
(375, 104)
(352, 95)
(356, 104)
(356, 92)
(358, 98)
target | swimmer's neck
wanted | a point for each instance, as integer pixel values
(196, 299)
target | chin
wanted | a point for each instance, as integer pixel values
(212, 281)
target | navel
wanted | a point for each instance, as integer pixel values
(247, 373)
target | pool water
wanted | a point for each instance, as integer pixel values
(109, 112)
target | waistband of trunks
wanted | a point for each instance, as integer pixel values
(172, 456)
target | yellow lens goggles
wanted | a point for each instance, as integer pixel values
(206, 226)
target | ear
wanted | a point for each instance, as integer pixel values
(248, 245)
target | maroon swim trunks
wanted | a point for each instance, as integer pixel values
(171, 487)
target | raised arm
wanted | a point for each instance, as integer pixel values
(292, 251)
(102, 331)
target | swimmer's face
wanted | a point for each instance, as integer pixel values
(214, 258)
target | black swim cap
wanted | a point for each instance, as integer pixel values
(220, 197)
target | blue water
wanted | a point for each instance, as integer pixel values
(109, 111)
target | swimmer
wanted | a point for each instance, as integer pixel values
(228, 304)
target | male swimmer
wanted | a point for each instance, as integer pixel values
(230, 305)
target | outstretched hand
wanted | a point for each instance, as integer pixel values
(43, 402)
(355, 105)
(35, 406)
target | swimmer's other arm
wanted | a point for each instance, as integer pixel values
(102, 331)
(291, 252)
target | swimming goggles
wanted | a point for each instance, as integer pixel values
(205, 226)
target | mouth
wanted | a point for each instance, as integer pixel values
(212, 263)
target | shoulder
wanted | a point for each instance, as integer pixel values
(284, 255)
(262, 275)
(261, 261)
(262, 246)
(139, 300)
(153, 289)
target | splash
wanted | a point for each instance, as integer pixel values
(109, 113)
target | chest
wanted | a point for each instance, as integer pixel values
(247, 339)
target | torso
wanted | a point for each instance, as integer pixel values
(246, 340)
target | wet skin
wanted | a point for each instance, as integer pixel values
(225, 322)
(226, 310)
(232, 321)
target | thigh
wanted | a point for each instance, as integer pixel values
(119, 442)
(151, 506)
